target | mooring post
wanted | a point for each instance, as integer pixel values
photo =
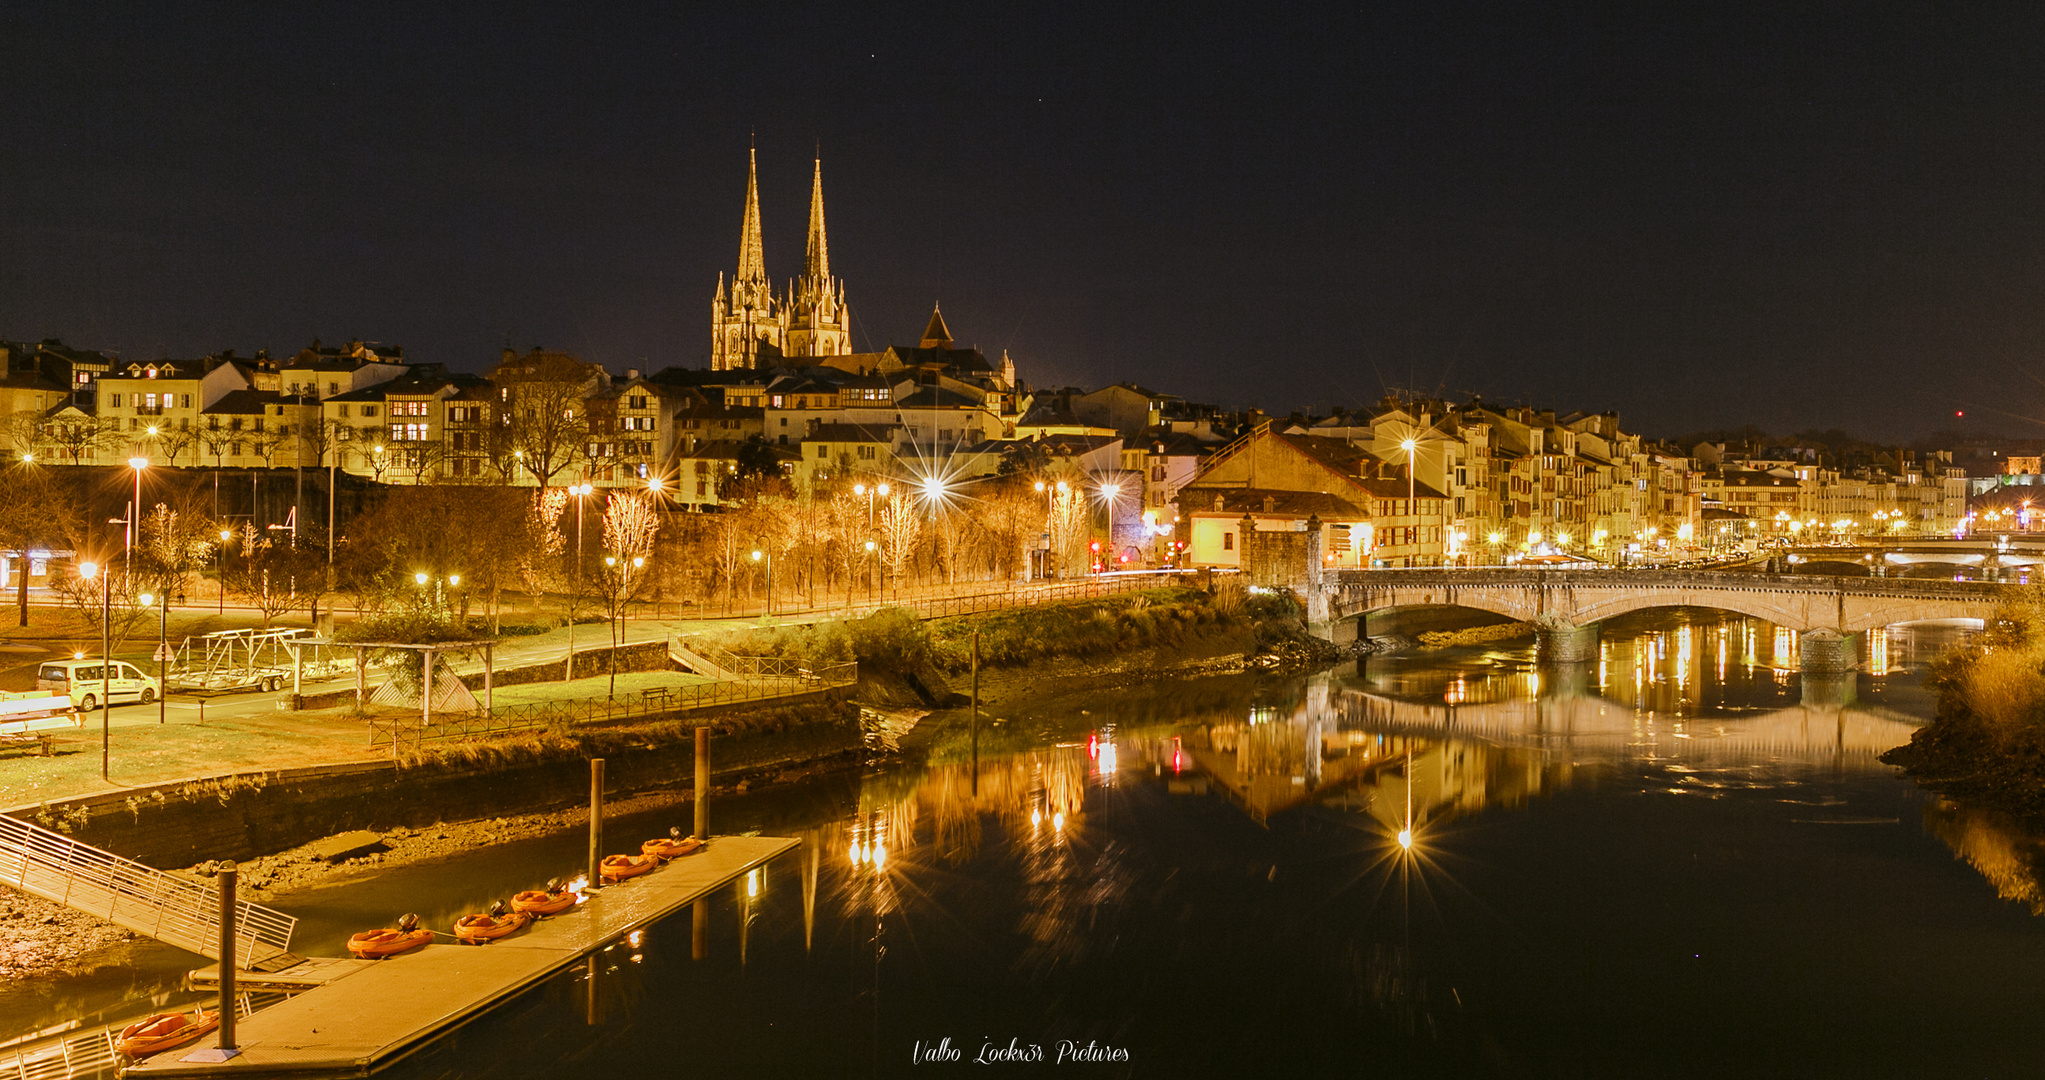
(596, 822)
(228, 875)
(976, 714)
(703, 784)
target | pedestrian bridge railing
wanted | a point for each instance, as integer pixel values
(174, 910)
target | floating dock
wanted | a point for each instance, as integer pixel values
(370, 1014)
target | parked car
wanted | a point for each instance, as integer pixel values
(81, 679)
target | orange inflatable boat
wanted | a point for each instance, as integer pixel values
(553, 900)
(163, 1031)
(483, 929)
(620, 867)
(672, 846)
(377, 944)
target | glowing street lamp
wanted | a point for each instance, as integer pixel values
(1111, 490)
(90, 571)
(575, 593)
(134, 515)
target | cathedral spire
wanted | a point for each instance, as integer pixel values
(936, 335)
(752, 258)
(817, 266)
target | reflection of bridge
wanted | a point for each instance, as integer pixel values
(1343, 746)
(1826, 611)
(1814, 731)
(1991, 554)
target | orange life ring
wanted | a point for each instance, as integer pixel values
(620, 867)
(162, 1031)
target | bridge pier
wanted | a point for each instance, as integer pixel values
(1558, 642)
(1827, 652)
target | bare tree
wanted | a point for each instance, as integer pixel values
(271, 577)
(540, 558)
(77, 438)
(35, 514)
(175, 441)
(172, 543)
(630, 526)
(546, 411)
(900, 529)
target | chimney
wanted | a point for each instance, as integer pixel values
(631, 373)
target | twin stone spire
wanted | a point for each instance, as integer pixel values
(748, 319)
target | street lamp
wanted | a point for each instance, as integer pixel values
(220, 569)
(162, 648)
(1412, 504)
(89, 571)
(1109, 491)
(873, 550)
(575, 592)
(134, 511)
(757, 555)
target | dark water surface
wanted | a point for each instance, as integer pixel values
(1680, 860)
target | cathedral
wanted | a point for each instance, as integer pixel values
(749, 323)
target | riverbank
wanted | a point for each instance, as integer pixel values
(454, 797)
(1985, 745)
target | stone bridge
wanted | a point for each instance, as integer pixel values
(1826, 611)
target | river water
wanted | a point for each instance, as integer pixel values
(1681, 860)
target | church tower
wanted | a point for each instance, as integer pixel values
(819, 323)
(748, 316)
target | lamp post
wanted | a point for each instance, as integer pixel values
(880, 489)
(873, 550)
(575, 590)
(88, 571)
(220, 569)
(1110, 491)
(162, 647)
(769, 556)
(1412, 504)
(137, 464)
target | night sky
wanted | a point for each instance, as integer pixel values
(1787, 215)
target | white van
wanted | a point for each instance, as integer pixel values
(81, 680)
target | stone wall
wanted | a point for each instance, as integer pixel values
(1274, 560)
(247, 815)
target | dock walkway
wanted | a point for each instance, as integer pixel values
(379, 1012)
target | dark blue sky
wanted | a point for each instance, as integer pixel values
(1790, 215)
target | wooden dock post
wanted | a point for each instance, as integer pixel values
(228, 876)
(703, 784)
(596, 823)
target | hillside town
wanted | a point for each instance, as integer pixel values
(1130, 476)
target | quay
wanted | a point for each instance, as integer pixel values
(368, 1014)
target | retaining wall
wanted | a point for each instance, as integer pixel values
(245, 815)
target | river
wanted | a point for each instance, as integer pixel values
(1681, 860)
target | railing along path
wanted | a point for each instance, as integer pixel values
(174, 910)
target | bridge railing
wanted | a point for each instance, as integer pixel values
(1724, 579)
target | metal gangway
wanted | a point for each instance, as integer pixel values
(240, 660)
(81, 1050)
(174, 910)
